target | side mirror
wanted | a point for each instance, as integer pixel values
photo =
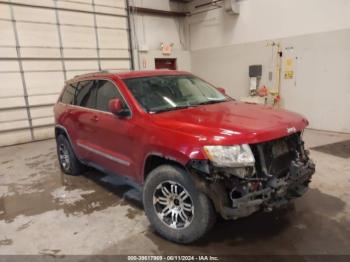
(221, 90)
(115, 106)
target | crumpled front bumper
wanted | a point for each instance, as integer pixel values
(277, 192)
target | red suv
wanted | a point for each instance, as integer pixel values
(194, 151)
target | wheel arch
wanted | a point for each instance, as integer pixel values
(155, 159)
(61, 130)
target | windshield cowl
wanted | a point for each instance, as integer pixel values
(190, 106)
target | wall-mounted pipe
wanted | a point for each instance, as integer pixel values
(151, 11)
(230, 6)
(132, 65)
(213, 2)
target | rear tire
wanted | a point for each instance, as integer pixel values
(177, 210)
(69, 163)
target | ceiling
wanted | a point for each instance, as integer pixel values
(181, 1)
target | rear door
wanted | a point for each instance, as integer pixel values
(84, 117)
(113, 142)
(64, 109)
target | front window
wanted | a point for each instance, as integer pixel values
(106, 91)
(165, 93)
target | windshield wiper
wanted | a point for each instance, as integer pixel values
(169, 109)
(211, 102)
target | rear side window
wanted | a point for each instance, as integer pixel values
(68, 94)
(85, 94)
(106, 91)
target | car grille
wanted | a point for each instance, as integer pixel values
(275, 156)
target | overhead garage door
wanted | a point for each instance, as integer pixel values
(45, 42)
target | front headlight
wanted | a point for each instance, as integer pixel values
(230, 156)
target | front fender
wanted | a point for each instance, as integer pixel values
(168, 154)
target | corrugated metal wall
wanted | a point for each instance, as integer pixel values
(45, 42)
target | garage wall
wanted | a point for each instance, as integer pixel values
(152, 30)
(44, 43)
(320, 90)
(223, 46)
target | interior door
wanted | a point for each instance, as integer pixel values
(165, 63)
(113, 142)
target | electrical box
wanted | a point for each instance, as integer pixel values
(255, 71)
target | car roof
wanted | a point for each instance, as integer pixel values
(135, 74)
(132, 74)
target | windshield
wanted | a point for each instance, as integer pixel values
(165, 93)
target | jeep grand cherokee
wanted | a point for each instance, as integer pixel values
(195, 151)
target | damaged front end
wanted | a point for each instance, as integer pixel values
(282, 171)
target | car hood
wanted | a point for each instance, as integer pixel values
(231, 122)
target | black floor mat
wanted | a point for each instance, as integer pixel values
(340, 149)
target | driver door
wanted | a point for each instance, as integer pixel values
(113, 141)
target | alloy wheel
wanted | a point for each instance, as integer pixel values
(64, 156)
(173, 204)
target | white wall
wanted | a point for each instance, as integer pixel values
(320, 90)
(223, 46)
(266, 19)
(152, 30)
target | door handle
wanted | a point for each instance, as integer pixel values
(94, 118)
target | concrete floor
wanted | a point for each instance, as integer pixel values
(44, 212)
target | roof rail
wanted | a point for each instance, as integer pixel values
(93, 73)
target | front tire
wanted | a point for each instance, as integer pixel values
(69, 163)
(176, 209)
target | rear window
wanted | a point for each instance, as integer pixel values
(85, 94)
(68, 94)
